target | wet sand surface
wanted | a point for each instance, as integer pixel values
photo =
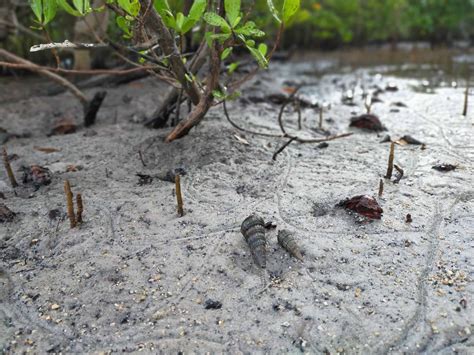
(135, 276)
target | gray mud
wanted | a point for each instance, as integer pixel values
(134, 276)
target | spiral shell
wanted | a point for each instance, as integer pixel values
(287, 242)
(253, 230)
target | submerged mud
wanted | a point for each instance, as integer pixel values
(135, 276)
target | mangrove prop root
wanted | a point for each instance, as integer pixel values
(91, 109)
(179, 196)
(391, 157)
(466, 95)
(80, 207)
(70, 204)
(321, 117)
(8, 168)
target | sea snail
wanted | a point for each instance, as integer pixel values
(253, 230)
(287, 242)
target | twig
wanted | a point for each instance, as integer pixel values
(399, 174)
(80, 72)
(391, 156)
(53, 50)
(91, 109)
(226, 113)
(283, 147)
(284, 135)
(66, 44)
(70, 204)
(80, 207)
(179, 197)
(36, 68)
(8, 168)
(380, 188)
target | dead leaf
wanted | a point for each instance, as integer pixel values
(65, 125)
(289, 89)
(47, 149)
(364, 205)
(357, 292)
(241, 140)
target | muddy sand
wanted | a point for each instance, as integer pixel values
(136, 276)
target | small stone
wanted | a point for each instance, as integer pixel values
(55, 306)
(211, 304)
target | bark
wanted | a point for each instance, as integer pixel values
(154, 23)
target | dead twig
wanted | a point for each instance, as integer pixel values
(298, 110)
(8, 168)
(391, 157)
(226, 113)
(380, 188)
(70, 204)
(36, 68)
(399, 175)
(179, 197)
(283, 147)
(79, 72)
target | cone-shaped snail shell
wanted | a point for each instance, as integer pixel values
(253, 230)
(287, 242)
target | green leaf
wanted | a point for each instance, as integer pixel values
(226, 52)
(261, 60)
(273, 10)
(188, 24)
(124, 25)
(290, 7)
(250, 29)
(179, 21)
(236, 22)
(250, 43)
(164, 10)
(161, 6)
(68, 8)
(233, 67)
(218, 94)
(44, 10)
(83, 6)
(215, 20)
(232, 9)
(262, 48)
(197, 10)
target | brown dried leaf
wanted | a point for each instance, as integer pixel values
(364, 205)
(47, 149)
(65, 125)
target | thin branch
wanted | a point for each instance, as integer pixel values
(65, 44)
(36, 68)
(226, 113)
(79, 72)
(283, 147)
